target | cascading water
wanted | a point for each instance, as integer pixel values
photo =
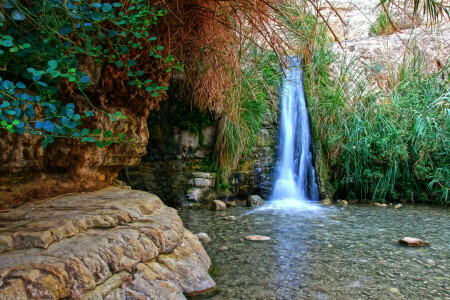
(295, 185)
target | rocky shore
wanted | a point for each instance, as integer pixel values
(110, 244)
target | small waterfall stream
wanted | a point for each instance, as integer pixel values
(295, 185)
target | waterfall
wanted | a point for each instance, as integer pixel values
(296, 183)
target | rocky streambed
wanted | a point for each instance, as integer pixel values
(332, 252)
(110, 244)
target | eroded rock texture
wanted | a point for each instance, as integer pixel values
(113, 244)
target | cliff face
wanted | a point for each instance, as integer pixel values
(28, 171)
(378, 51)
(178, 166)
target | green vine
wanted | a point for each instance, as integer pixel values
(40, 47)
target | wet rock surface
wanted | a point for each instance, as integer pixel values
(254, 200)
(111, 244)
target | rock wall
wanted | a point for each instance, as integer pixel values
(28, 171)
(110, 244)
(178, 165)
(376, 59)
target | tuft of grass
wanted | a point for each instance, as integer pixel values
(383, 26)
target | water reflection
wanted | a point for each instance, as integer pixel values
(329, 253)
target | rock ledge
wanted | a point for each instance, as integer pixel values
(109, 244)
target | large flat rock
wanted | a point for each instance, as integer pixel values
(113, 243)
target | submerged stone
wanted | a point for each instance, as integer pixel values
(413, 242)
(257, 238)
(326, 201)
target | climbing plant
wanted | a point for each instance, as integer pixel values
(41, 45)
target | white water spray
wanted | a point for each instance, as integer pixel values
(295, 186)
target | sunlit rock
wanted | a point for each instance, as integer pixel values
(413, 242)
(218, 205)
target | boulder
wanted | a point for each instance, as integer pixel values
(254, 200)
(413, 242)
(109, 244)
(218, 205)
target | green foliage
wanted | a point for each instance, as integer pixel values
(382, 26)
(195, 121)
(389, 145)
(40, 46)
(253, 103)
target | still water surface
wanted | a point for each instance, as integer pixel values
(327, 253)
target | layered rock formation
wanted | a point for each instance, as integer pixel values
(110, 244)
(178, 165)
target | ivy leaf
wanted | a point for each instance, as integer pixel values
(159, 47)
(66, 30)
(65, 121)
(97, 131)
(29, 112)
(85, 79)
(84, 131)
(112, 33)
(53, 64)
(131, 62)
(106, 7)
(17, 15)
(99, 144)
(7, 43)
(20, 85)
(48, 126)
(108, 133)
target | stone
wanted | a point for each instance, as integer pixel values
(398, 206)
(383, 205)
(218, 205)
(326, 201)
(254, 200)
(203, 237)
(257, 238)
(195, 194)
(203, 182)
(230, 218)
(413, 242)
(343, 203)
(204, 175)
(101, 245)
(224, 248)
(231, 204)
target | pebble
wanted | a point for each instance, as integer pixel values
(224, 248)
(230, 218)
(394, 290)
(257, 238)
(203, 237)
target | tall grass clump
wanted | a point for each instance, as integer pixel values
(386, 145)
(383, 26)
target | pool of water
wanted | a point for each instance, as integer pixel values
(327, 253)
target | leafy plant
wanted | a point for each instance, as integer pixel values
(41, 44)
(383, 26)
